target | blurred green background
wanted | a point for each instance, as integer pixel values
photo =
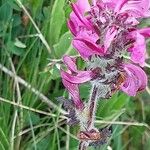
(33, 38)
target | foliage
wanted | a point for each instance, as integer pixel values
(24, 52)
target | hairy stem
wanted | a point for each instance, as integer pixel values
(92, 107)
(83, 145)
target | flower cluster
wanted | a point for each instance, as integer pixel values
(104, 31)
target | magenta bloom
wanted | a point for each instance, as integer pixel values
(96, 26)
(72, 78)
(136, 79)
(103, 32)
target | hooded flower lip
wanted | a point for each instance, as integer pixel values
(138, 50)
(136, 80)
(137, 8)
(72, 78)
(95, 27)
(77, 19)
(85, 43)
(145, 32)
(109, 37)
(80, 15)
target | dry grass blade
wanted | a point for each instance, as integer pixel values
(147, 65)
(68, 138)
(123, 123)
(148, 90)
(36, 92)
(16, 114)
(29, 129)
(31, 109)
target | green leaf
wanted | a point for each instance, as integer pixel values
(64, 46)
(14, 49)
(5, 12)
(14, 5)
(55, 72)
(85, 91)
(56, 22)
(19, 44)
(16, 20)
(113, 106)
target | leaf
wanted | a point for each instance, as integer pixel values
(64, 46)
(112, 106)
(55, 72)
(85, 91)
(137, 135)
(14, 5)
(5, 12)
(16, 20)
(14, 49)
(56, 22)
(19, 44)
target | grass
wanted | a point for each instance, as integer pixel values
(33, 38)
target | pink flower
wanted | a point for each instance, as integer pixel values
(103, 31)
(145, 32)
(96, 26)
(136, 79)
(85, 42)
(72, 78)
(138, 49)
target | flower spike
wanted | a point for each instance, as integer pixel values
(103, 32)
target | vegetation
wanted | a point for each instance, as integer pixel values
(33, 38)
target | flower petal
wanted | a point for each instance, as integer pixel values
(72, 78)
(80, 16)
(136, 79)
(73, 25)
(87, 48)
(70, 63)
(138, 49)
(120, 4)
(77, 18)
(137, 8)
(74, 91)
(85, 43)
(80, 77)
(109, 37)
(132, 20)
(145, 32)
(83, 6)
